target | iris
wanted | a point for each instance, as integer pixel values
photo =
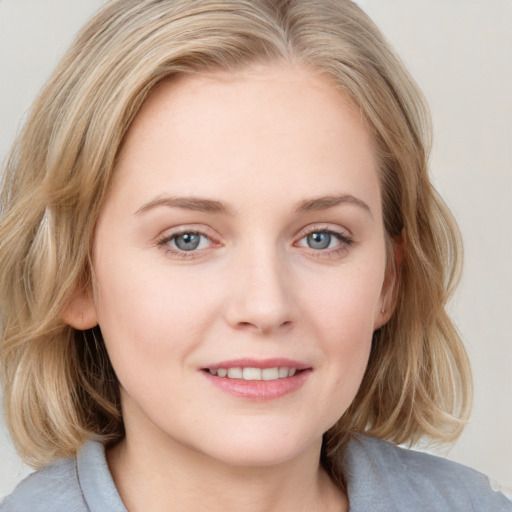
(319, 240)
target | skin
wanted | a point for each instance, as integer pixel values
(266, 143)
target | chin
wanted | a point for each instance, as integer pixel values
(261, 448)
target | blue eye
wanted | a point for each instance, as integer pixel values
(189, 241)
(320, 240)
(325, 241)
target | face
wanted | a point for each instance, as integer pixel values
(240, 264)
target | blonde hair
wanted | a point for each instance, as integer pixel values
(59, 386)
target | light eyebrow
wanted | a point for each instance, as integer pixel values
(325, 202)
(188, 203)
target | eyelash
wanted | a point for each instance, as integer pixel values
(164, 243)
(345, 242)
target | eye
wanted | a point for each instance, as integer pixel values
(186, 241)
(189, 241)
(325, 240)
(320, 240)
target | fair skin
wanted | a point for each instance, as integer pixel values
(243, 230)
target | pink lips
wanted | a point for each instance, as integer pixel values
(260, 363)
(258, 390)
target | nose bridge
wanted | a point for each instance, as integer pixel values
(260, 296)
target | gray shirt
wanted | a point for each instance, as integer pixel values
(380, 477)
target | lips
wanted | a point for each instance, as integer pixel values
(251, 373)
(258, 379)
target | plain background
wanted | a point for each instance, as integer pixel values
(460, 52)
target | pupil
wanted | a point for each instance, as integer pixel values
(187, 241)
(319, 240)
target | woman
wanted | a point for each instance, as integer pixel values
(224, 270)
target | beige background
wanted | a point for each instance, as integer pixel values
(460, 51)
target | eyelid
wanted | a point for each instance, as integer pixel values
(342, 232)
(200, 229)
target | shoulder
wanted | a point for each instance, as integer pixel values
(54, 487)
(405, 480)
(77, 484)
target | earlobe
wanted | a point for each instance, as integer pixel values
(80, 311)
(383, 316)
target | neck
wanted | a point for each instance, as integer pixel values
(162, 474)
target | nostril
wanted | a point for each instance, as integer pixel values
(262, 327)
(247, 325)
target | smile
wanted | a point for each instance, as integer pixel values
(249, 373)
(258, 379)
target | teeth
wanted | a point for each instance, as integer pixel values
(251, 374)
(254, 373)
(283, 372)
(270, 374)
(235, 373)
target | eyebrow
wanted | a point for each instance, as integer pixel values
(326, 202)
(212, 206)
(188, 203)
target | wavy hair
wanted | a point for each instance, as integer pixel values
(59, 386)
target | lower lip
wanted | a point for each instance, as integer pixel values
(259, 390)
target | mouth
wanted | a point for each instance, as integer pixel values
(256, 379)
(251, 373)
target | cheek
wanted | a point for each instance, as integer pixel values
(151, 312)
(342, 313)
(345, 302)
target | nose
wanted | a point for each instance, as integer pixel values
(260, 294)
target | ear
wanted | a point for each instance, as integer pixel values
(80, 311)
(391, 284)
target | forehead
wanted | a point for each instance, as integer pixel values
(262, 129)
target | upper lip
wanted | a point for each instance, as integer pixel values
(274, 362)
